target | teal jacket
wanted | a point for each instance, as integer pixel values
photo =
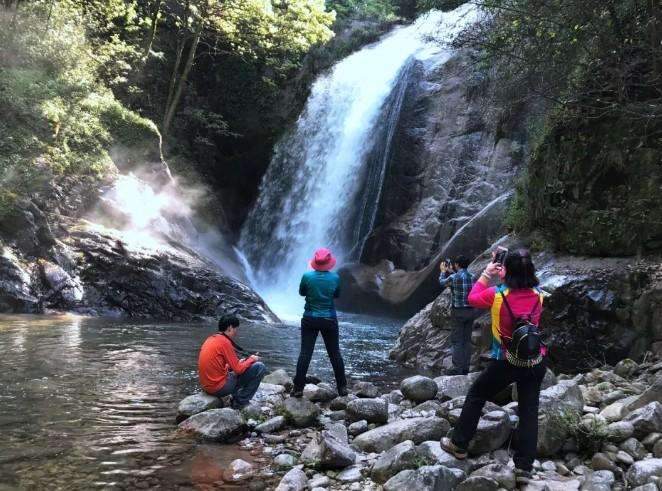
(320, 288)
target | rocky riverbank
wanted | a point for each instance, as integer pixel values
(599, 430)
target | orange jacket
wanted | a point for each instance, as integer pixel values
(217, 356)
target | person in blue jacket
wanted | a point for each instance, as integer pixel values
(320, 286)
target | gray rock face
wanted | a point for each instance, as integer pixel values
(651, 394)
(268, 393)
(647, 419)
(418, 388)
(349, 475)
(492, 432)
(300, 412)
(195, 404)
(371, 410)
(452, 386)
(432, 451)
(599, 481)
(358, 427)
(311, 454)
(634, 448)
(478, 483)
(273, 424)
(319, 393)
(563, 397)
(278, 377)
(620, 430)
(426, 478)
(334, 453)
(502, 474)
(640, 472)
(294, 480)
(401, 456)
(285, 461)
(223, 425)
(415, 429)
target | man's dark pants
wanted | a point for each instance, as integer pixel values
(462, 320)
(496, 377)
(328, 328)
(244, 386)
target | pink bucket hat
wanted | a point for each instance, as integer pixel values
(323, 260)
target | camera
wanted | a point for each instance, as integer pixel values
(448, 262)
(500, 255)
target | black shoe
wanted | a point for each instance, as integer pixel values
(342, 391)
(296, 392)
(456, 371)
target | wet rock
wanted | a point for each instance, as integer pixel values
(601, 462)
(641, 472)
(358, 427)
(620, 430)
(426, 478)
(492, 432)
(502, 474)
(416, 429)
(319, 393)
(418, 388)
(393, 397)
(371, 410)
(657, 449)
(478, 483)
(223, 425)
(300, 412)
(334, 453)
(431, 407)
(351, 474)
(268, 394)
(273, 424)
(650, 440)
(617, 410)
(624, 458)
(278, 377)
(15, 285)
(452, 386)
(285, 461)
(340, 403)
(401, 456)
(195, 404)
(294, 480)
(365, 389)
(647, 419)
(338, 430)
(239, 469)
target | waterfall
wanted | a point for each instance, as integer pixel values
(323, 184)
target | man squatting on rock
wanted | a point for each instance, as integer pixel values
(221, 373)
(517, 298)
(462, 314)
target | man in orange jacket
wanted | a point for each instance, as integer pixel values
(221, 373)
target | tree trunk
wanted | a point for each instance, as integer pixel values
(179, 85)
(156, 11)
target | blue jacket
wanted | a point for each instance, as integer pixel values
(320, 288)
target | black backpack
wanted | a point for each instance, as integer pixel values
(523, 347)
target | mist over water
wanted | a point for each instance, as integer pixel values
(323, 185)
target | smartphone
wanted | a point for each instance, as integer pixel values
(500, 256)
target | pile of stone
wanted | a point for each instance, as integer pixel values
(598, 431)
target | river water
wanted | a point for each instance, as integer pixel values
(90, 403)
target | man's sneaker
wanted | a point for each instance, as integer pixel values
(235, 405)
(342, 391)
(522, 476)
(457, 452)
(296, 392)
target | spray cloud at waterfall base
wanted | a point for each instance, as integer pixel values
(323, 185)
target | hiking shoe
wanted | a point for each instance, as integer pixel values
(522, 476)
(448, 446)
(342, 391)
(298, 393)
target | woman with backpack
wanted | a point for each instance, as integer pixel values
(517, 355)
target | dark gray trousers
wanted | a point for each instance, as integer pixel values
(462, 321)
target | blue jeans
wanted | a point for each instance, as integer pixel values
(244, 386)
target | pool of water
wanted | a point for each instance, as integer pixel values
(91, 402)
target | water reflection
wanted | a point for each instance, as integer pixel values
(88, 402)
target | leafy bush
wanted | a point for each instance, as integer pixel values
(589, 434)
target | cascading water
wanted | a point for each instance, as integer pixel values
(323, 185)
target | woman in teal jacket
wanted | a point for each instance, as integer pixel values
(320, 286)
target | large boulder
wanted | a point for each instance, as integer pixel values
(651, 394)
(641, 472)
(335, 453)
(271, 425)
(431, 451)
(564, 397)
(300, 412)
(415, 429)
(646, 420)
(224, 425)
(426, 478)
(195, 404)
(371, 410)
(278, 377)
(501, 473)
(319, 393)
(452, 386)
(401, 456)
(418, 388)
(365, 389)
